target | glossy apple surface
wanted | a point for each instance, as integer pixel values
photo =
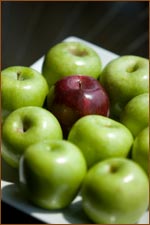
(135, 115)
(51, 173)
(75, 96)
(67, 58)
(140, 149)
(26, 126)
(22, 86)
(99, 137)
(115, 191)
(123, 79)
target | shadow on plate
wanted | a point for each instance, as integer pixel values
(75, 214)
(8, 173)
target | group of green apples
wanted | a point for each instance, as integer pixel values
(103, 156)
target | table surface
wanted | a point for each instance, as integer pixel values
(29, 29)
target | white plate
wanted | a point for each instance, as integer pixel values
(71, 215)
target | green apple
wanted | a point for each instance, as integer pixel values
(26, 126)
(51, 173)
(115, 191)
(124, 78)
(69, 58)
(22, 86)
(135, 115)
(99, 137)
(140, 149)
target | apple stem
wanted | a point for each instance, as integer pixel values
(113, 168)
(18, 75)
(80, 84)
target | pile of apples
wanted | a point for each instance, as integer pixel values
(79, 128)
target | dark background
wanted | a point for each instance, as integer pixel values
(29, 29)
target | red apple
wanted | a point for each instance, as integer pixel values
(75, 96)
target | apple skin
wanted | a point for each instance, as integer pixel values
(22, 86)
(140, 149)
(67, 58)
(75, 96)
(124, 78)
(51, 173)
(26, 126)
(135, 115)
(115, 191)
(99, 137)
